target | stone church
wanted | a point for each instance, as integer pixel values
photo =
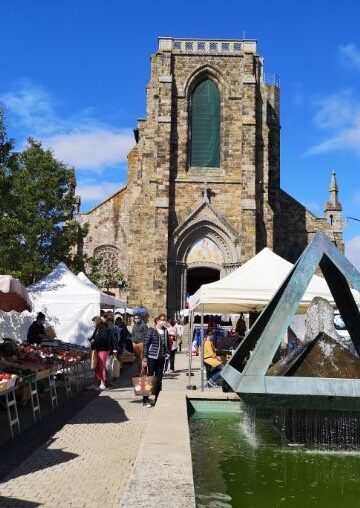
(203, 193)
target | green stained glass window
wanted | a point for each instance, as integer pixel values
(205, 125)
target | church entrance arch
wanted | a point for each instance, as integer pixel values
(203, 253)
(196, 277)
(204, 262)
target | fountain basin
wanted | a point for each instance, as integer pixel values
(240, 459)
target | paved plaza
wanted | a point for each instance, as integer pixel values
(88, 462)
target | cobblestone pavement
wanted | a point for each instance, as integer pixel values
(89, 460)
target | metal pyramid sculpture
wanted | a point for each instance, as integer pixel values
(265, 336)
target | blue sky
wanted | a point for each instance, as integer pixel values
(73, 74)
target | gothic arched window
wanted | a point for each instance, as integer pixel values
(205, 125)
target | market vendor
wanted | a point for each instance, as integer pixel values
(36, 331)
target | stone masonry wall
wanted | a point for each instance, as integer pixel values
(144, 220)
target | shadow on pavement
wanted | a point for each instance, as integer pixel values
(13, 453)
(103, 410)
(12, 502)
(52, 457)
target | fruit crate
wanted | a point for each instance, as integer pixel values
(6, 384)
(23, 376)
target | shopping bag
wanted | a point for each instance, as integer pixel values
(115, 368)
(108, 367)
(112, 367)
(144, 385)
(93, 359)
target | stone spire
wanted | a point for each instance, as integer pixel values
(333, 206)
(334, 191)
(333, 203)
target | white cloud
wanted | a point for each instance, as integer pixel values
(339, 115)
(96, 191)
(336, 110)
(352, 251)
(345, 139)
(91, 149)
(80, 139)
(350, 55)
(32, 108)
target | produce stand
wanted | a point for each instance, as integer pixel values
(53, 391)
(24, 366)
(7, 389)
(35, 403)
(12, 412)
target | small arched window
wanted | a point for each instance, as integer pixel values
(205, 125)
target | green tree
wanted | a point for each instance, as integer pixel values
(7, 162)
(37, 198)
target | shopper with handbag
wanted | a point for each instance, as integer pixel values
(156, 350)
(139, 332)
(101, 342)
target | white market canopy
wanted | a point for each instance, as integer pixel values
(252, 286)
(69, 304)
(105, 298)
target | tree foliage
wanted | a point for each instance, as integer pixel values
(37, 203)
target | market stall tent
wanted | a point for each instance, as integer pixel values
(106, 299)
(69, 304)
(252, 286)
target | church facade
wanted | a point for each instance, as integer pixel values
(203, 193)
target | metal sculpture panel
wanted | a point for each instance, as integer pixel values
(246, 371)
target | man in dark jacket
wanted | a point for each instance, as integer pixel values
(36, 332)
(124, 336)
(139, 332)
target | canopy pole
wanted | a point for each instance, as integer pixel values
(191, 329)
(202, 369)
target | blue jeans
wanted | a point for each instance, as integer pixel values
(215, 373)
(156, 368)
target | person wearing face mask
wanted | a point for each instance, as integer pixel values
(156, 350)
(139, 332)
(36, 331)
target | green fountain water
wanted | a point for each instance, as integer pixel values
(243, 462)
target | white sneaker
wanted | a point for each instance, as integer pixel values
(102, 387)
(148, 404)
(91, 387)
